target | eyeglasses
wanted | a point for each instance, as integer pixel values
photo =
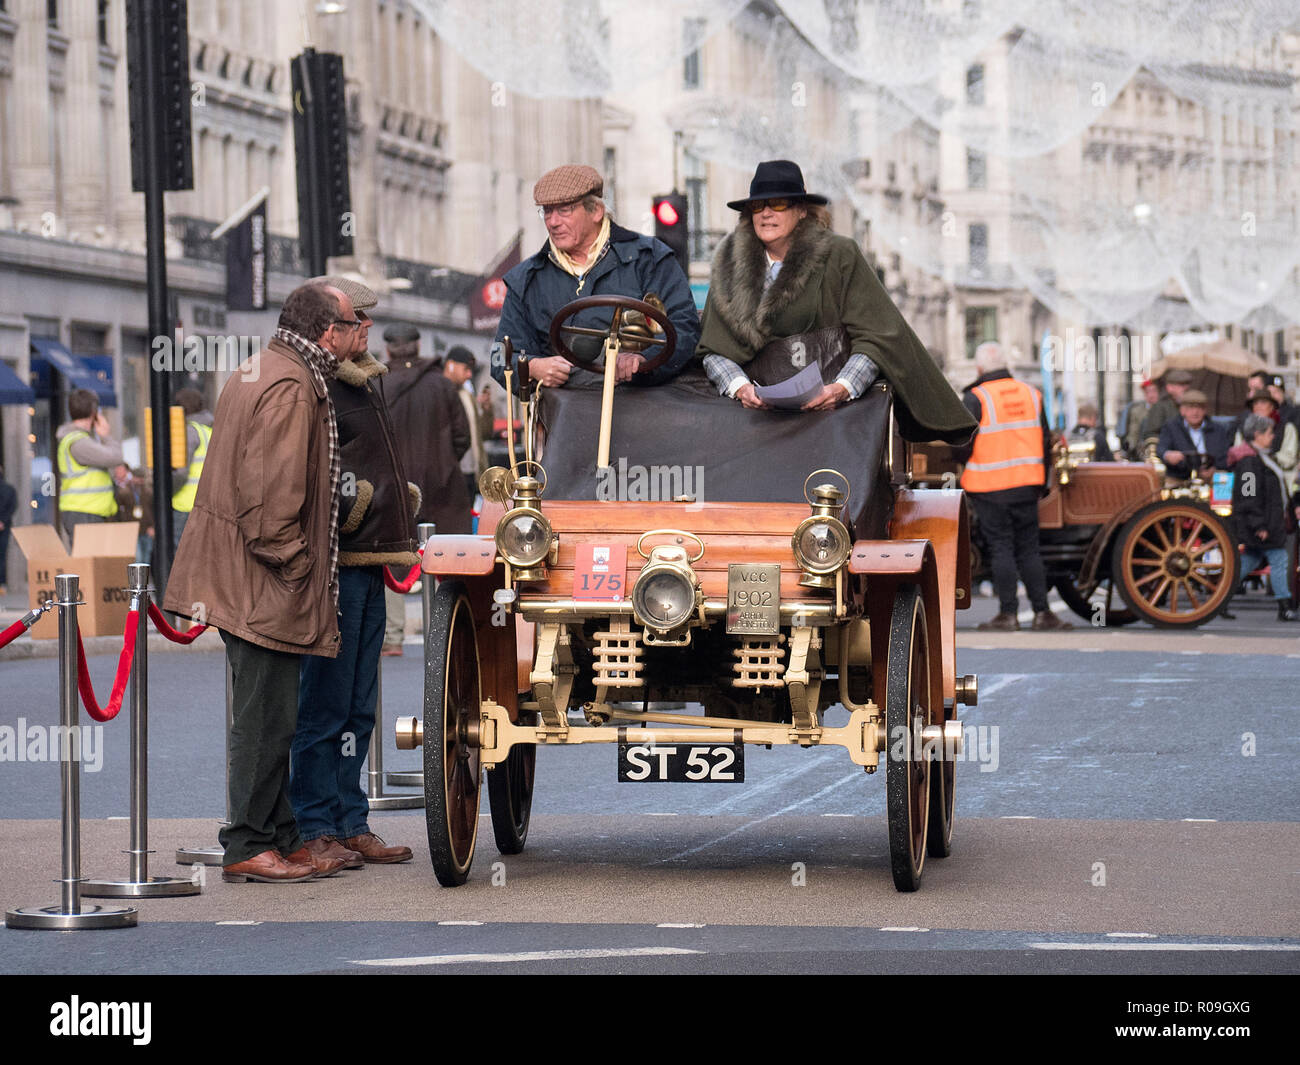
(758, 206)
(562, 209)
(353, 322)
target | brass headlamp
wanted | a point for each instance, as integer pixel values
(821, 542)
(524, 537)
(666, 594)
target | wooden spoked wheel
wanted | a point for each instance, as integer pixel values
(510, 795)
(1175, 564)
(451, 723)
(908, 711)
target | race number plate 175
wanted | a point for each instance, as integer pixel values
(683, 763)
(600, 572)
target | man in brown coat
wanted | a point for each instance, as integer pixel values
(259, 561)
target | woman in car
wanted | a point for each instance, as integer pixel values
(782, 281)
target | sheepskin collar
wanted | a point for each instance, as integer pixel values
(357, 372)
(740, 265)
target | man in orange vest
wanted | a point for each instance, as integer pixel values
(1006, 473)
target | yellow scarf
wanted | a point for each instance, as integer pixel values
(567, 264)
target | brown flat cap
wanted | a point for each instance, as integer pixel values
(1193, 397)
(362, 296)
(1262, 394)
(1178, 377)
(567, 183)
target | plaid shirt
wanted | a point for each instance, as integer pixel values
(856, 376)
(324, 365)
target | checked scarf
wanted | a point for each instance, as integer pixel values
(323, 366)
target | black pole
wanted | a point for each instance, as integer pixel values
(149, 27)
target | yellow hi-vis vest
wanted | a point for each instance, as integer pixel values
(183, 497)
(1008, 449)
(83, 489)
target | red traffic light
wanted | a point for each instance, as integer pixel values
(666, 213)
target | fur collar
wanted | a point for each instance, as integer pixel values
(740, 265)
(357, 372)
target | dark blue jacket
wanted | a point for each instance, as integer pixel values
(1175, 437)
(633, 265)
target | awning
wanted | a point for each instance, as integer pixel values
(12, 390)
(48, 354)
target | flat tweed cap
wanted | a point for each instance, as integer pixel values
(1178, 377)
(401, 333)
(1193, 398)
(567, 183)
(362, 296)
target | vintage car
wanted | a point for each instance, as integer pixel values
(592, 610)
(1121, 543)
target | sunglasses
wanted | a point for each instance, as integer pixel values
(758, 206)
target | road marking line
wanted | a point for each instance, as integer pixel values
(1000, 683)
(240, 922)
(785, 809)
(653, 814)
(1165, 946)
(1202, 820)
(904, 928)
(460, 924)
(525, 956)
(1017, 817)
(671, 924)
(1133, 935)
(839, 815)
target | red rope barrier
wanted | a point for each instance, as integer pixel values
(12, 633)
(160, 623)
(406, 583)
(124, 662)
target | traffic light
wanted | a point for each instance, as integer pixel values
(671, 226)
(320, 141)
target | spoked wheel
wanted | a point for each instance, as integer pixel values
(451, 723)
(1102, 601)
(1175, 564)
(510, 795)
(907, 713)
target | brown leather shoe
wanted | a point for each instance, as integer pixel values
(323, 864)
(373, 849)
(1000, 623)
(268, 868)
(330, 847)
(1049, 622)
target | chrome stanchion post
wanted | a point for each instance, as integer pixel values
(215, 855)
(139, 884)
(423, 532)
(69, 914)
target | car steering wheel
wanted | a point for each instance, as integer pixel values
(616, 331)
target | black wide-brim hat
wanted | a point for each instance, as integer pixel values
(777, 179)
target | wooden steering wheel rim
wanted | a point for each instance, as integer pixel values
(627, 303)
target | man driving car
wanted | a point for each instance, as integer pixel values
(588, 254)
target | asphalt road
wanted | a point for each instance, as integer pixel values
(1129, 805)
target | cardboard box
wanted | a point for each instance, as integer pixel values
(101, 551)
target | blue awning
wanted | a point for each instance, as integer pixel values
(47, 354)
(12, 390)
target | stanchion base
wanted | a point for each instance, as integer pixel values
(156, 887)
(200, 856)
(397, 802)
(397, 779)
(53, 918)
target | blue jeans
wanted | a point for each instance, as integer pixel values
(1253, 557)
(336, 715)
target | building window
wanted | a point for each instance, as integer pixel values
(611, 180)
(976, 169)
(891, 174)
(979, 246)
(975, 85)
(692, 32)
(102, 22)
(52, 14)
(697, 207)
(981, 326)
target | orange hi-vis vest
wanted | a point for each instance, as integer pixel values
(1008, 449)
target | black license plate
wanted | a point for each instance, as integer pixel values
(682, 763)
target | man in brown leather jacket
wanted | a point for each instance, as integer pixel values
(259, 561)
